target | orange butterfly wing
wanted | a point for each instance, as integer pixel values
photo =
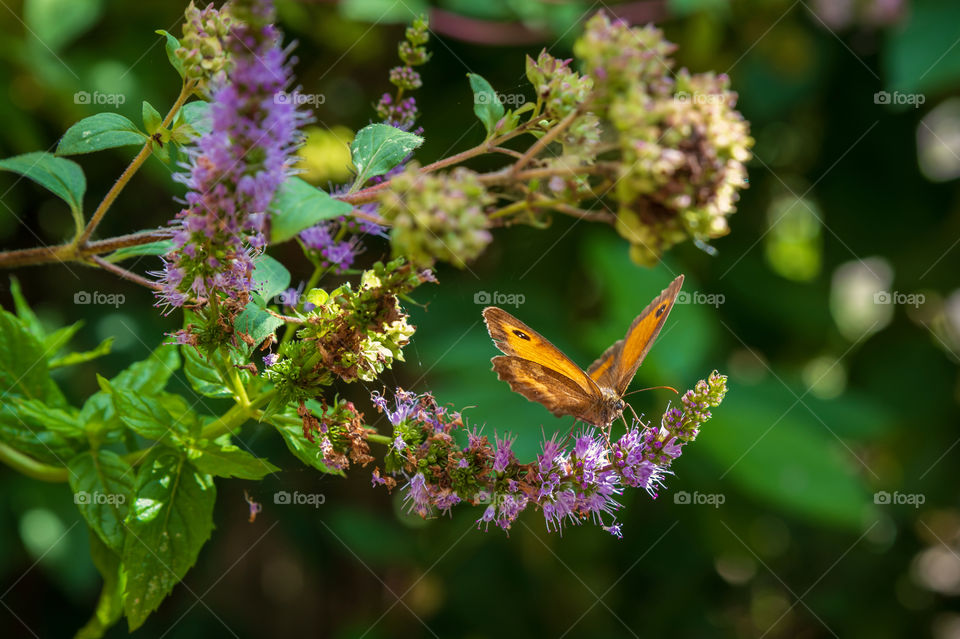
(558, 393)
(537, 369)
(619, 363)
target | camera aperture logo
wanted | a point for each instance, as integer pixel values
(499, 299)
(900, 299)
(883, 498)
(296, 498)
(84, 498)
(696, 297)
(96, 297)
(699, 499)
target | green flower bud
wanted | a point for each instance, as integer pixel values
(436, 216)
(201, 47)
(559, 89)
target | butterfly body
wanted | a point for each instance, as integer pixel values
(540, 371)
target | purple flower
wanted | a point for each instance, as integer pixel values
(504, 454)
(615, 530)
(418, 496)
(234, 169)
(569, 484)
(333, 253)
(401, 114)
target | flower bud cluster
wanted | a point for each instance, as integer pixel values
(436, 216)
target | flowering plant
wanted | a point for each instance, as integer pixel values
(623, 141)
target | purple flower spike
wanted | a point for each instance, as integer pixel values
(235, 169)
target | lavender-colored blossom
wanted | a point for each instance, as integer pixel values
(504, 454)
(569, 484)
(333, 253)
(406, 404)
(234, 169)
(401, 114)
(418, 496)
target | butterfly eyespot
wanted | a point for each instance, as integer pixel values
(660, 310)
(521, 335)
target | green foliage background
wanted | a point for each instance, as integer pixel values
(797, 454)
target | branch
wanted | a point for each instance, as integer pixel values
(72, 253)
(185, 90)
(124, 273)
(371, 193)
(542, 143)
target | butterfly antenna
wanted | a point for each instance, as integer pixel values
(640, 390)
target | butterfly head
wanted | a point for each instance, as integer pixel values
(611, 406)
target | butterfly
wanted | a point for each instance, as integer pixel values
(539, 371)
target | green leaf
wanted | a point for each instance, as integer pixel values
(152, 120)
(203, 377)
(486, 103)
(291, 429)
(49, 435)
(101, 131)
(24, 312)
(168, 522)
(23, 364)
(59, 338)
(150, 375)
(270, 277)
(379, 148)
(102, 485)
(71, 359)
(172, 44)
(257, 323)
(64, 178)
(110, 605)
(144, 378)
(299, 205)
(162, 418)
(226, 460)
(193, 120)
(160, 247)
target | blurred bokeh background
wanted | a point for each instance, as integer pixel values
(832, 305)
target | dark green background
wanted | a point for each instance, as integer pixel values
(798, 466)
